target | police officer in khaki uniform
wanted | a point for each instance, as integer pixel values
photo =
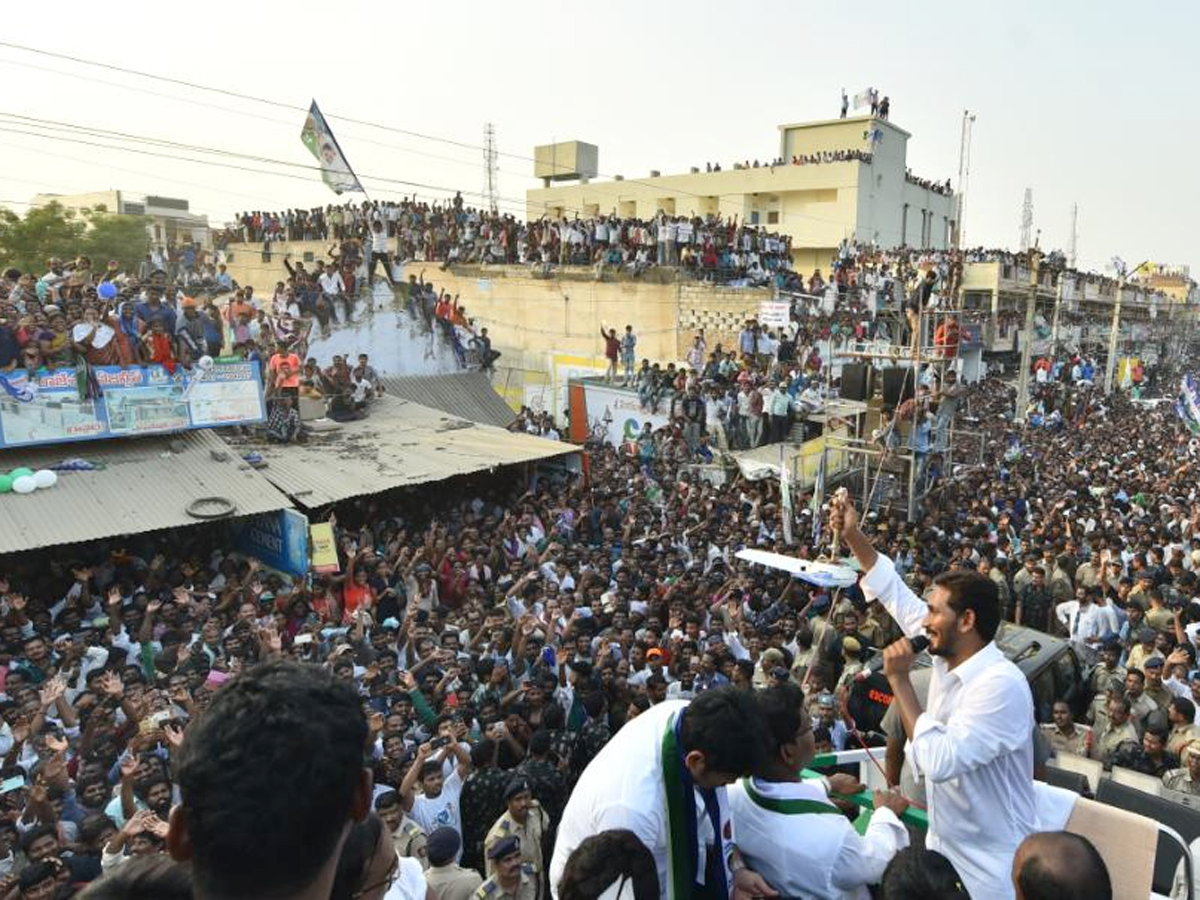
(1108, 668)
(1119, 731)
(1187, 779)
(515, 879)
(1064, 735)
(446, 879)
(407, 836)
(524, 819)
(1097, 714)
(1155, 689)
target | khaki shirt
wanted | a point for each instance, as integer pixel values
(1138, 656)
(1111, 739)
(409, 841)
(1180, 780)
(452, 882)
(1097, 713)
(1180, 737)
(1102, 675)
(1079, 742)
(1160, 695)
(530, 834)
(1141, 707)
(527, 888)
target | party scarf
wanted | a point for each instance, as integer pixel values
(786, 807)
(682, 826)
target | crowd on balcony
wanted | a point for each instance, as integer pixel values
(451, 233)
(938, 187)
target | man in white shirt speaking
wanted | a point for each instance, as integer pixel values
(972, 745)
(790, 832)
(663, 777)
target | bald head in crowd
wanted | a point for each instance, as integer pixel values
(1058, 865)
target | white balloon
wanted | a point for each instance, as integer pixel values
(45, 478)
(25, 485)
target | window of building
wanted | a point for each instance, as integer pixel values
(754, 217)
(772, 218)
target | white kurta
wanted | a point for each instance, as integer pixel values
(973, 747)
(816, 856)
(623, 788)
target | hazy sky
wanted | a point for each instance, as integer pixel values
(1092, 103)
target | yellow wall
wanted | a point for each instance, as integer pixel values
(816, 205)
(549, 329)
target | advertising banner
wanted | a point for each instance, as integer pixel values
(57, 405)
(324, 548)
(615, 415)
(279, 539)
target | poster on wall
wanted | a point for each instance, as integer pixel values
(50, 407)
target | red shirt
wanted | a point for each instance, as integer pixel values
(290, 378)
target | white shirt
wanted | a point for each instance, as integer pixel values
(1086, 625)
(410, 881)
(434, 812)
(972, 745)
(331, 282)
(807, 854)
(623, 788)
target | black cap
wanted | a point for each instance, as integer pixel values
(516, 786)
(504, 847)
(442, 846)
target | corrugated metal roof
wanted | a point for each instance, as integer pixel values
(400, 443)
(467, 395)
(144, 486)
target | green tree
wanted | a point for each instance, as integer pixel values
(109, 236)
(27, 242)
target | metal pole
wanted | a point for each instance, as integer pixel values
(1110, 365)
(1058, 296)
(964, 171)
(1027, 350)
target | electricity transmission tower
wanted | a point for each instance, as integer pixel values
(489, 166)
(1074, 235)
(1027, 221)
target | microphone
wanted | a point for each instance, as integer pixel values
(875, 664)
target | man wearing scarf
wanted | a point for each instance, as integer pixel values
(663, 777)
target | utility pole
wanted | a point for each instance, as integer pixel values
(489, 166)
(964, 172)
(1110, 365)
(1035, 258)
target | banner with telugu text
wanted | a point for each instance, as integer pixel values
(139, 400)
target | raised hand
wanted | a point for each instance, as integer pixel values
(129, 765)
(174, 735)
(110, 684)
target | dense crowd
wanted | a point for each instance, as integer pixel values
(72, 317)
(450, 232)
(499, 635)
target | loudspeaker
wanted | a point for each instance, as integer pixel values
(897, 385)
(856, 381)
